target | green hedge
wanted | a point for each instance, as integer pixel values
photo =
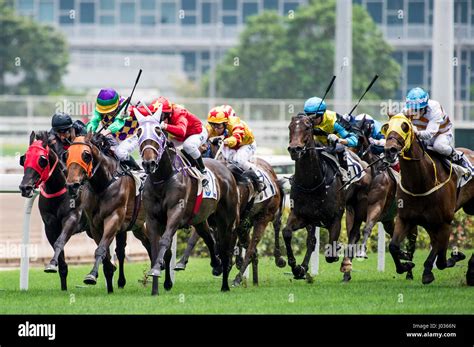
(462, 237)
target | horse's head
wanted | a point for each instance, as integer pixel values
(301, 135)
(38, 163)
(80, 162)
(151, 139)
(399, 134)
(363, 129)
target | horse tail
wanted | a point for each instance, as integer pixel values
(280, 185)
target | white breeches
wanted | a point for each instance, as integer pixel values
(442, 143)
(192, 143)
(244, 156)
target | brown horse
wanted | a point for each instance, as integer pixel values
(381, 204)
(170, 196)
(43, 168)
(427, 195)
(108, 199)
(253, 215)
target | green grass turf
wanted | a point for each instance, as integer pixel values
(197, 291)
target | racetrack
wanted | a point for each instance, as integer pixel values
(197, 291)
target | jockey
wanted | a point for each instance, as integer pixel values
(185, 129)
(329, 129)
(376, 138)
(62, 131)
(118, 128)
(239, 142)
(433, 126)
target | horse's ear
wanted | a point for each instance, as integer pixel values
(32, 137)
(89, 135)
(138, 115)
(390, 114)
(157, 114)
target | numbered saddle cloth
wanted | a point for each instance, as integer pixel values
(355, 169)
(270, 189)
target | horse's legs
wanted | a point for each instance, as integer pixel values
(292, 224)
(68, 227)
(63, 270)
(470, 272)
(109, 270)
(258, 230)
(310, 244)
(279, 261)
(402, 228)
(121, 243)
(193, 239)
(168, 282)
(354, 234)
(255, 268)
(154, 231)
(111, 226)
(374, 212)
(204, 232)
(331, 252)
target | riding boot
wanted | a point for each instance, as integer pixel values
(200, 165)
(459, 158)
(250, 172)
(131, 163)
(342, 158)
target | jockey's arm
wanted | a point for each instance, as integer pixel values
(235, 139)
(93, 124)
(347, 138)
(117, 125)
(432, 128)
(179, 128)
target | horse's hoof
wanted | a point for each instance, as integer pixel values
(299, 272)
(405, 256)
(51, 268)
(236, 283)
(90, 279)
(217, 271)
(458, 256)
(280, 262)
(121, 283)
(362, 254)
(180, 267)
(238, 263)
(428, 278)
(225, 289)
(450, 262)
(405, 267)
(346, 277)
(154, 273)
(167, 285)
(409, 275)
(332, 259)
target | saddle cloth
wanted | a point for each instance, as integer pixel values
(139, 177)
(270, 189)
(210, 190)
(355, 169)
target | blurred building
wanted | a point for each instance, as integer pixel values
(408, 26)
(179, 39)
(174, 39)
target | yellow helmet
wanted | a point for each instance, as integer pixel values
(218, 114)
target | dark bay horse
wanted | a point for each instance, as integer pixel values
(381, 203)
(316, 196)
(170, 196)
(43, 169)
(428, 196)
(254, 215)
(109, 200)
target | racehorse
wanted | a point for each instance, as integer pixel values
(43, 169)
(256, 215)
(381, 203)
(172, 201)
(108, 198)
(428, 196)
(316, 195)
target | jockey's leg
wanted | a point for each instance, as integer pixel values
(245, 158)
(191, 147)
(124, 150)
(342, 157)
(444, 145)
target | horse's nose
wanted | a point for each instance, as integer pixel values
(26, 190)
(72, 188)
(149, 166)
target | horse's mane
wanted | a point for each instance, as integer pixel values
(102, 142)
